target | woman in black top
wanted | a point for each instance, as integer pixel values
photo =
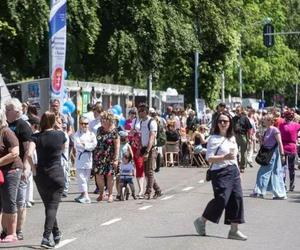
(49, 175)
(172, 134)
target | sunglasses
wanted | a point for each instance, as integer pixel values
(223, 121)
(84, 123)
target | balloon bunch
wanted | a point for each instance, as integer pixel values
(68, 107)
(117, 111)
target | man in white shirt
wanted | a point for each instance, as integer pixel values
(148, 128)
(96, 123)
(90, 114)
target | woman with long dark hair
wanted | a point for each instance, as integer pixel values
(226, 182)
(49, 174)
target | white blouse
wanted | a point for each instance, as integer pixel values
(225, 144)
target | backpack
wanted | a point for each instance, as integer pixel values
(237, 125)
(161, 137)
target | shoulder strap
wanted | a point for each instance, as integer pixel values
(135, 123)
(218, 150)
(220, 146)
(151, 119)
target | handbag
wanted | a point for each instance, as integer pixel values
(208, 171)
(264, 155)
(1, 178)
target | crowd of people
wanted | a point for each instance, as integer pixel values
(115, 156)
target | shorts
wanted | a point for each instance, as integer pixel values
(21, 196)
(126, 181)
(8, 191)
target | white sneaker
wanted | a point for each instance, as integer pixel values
(200, 227)
(236, 235)
(84, 200)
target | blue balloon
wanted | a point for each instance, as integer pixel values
(65, 74)
(122, 122)
(114, 111)
(118, 108)
(70, 105)
(65, 93)
(65, 110)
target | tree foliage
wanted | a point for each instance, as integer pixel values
(121, 41)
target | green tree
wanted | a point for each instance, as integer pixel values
(27, 19)
(269, 69)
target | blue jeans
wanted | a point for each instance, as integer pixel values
(270, 178)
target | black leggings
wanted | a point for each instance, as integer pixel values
(50, 192)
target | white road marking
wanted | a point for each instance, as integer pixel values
(201, 181)
(145, 207)
(64, 242)
(167, 197)
(111, 221)
(187, 188)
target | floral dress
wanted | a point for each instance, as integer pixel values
(104, 152)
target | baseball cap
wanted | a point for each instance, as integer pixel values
(123, 133)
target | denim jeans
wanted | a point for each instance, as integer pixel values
(9, 190)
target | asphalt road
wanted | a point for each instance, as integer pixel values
(167, 223)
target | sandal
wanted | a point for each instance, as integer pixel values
(9, 239)
(147, 196)
(100, 197)
(110, 199)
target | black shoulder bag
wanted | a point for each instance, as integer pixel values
(208, 172)
(264, 154)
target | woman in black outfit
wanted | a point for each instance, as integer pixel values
(49, 175)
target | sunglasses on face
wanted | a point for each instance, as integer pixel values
(223, 121)
(84, 123)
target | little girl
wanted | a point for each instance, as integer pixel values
(138, 162)
(126, 176)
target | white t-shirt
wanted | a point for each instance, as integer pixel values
(136, 124)
(94, 125)
(214, 142)
(145, 133)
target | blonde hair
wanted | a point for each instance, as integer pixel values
(270, 117)
(108, 116)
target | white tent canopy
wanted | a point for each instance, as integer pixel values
(5, 95)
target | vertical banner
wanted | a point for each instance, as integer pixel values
(57, 46)
(86, 96)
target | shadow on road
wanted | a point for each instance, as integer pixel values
(21, 246)
(294, 198)
(183, 235)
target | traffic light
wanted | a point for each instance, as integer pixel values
(269, 40)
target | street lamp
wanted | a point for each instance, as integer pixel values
(241, 72)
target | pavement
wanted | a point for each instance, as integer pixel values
(167, 223)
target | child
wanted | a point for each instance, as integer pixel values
(126, 176)
(125, 148)
(138, 162)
